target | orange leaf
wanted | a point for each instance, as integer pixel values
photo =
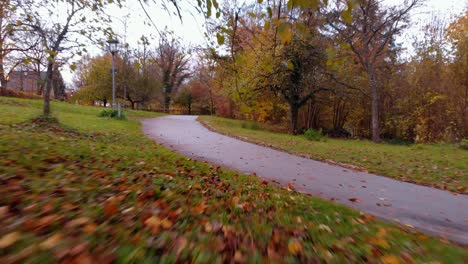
(51, 242)
(8, 240)
(110, 209)
(90, 228)
(166, 224)
(294, 246)
(390, 259)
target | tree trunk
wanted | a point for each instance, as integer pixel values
(294, 114)
(3, 80)
(374, 103)
(3, 83)
(104, 102)
(48, 87)
(167, 102)
(211, 103)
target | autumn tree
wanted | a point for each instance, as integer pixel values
(368, 28)
(172, 63)
(67, 22)
(95, 80)
(457, 36)
(297, 75)
(185, 98)
(12, 40)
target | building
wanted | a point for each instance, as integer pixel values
(32, 82)
(26, 81)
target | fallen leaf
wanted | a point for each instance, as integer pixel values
(380, 242)
(407, 257)
(381, 233)
(390, 259)
(110, 208)
(324, 227)
(48, 220)
(77, 222)
(3, 211)
(166, 224)
(208, 227)
(9, 239)
(90, 228)
(238, 258)
(295, 246)
(51, 242)
(153, 221)
(354, 200)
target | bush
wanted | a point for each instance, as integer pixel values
(314, 135)
(464, 144)
(250, 125)
(112, 114)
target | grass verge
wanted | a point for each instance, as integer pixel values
(96, 190)
(443, 166)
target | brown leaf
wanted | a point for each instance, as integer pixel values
(90, 228)
(9, 239)
(166, 224)
(48, 220)
(238, 258)
(83, 259)
(77, 222)
(51, 242)
(354, 200)
(154, 224)
(208, 227)
(3, 211)
(110, 208)
(390, 259)
(407, 257)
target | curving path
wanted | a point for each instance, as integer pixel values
(429, 210)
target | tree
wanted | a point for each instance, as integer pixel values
(185, 98)
(95, 80)
(297, 75)
(368, 31)
(141, 79)
(12, 40)
(457, 36)
(172, 64)
(63, 33)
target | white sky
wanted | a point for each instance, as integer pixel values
(191, 29)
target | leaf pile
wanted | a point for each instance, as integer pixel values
(75, 197)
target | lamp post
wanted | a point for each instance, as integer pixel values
(113, 45)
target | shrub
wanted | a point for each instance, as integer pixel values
(464, 144)
(250, 125)
(112, 114)
(314, 135)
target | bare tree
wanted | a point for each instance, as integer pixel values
(172, 62)
(12, 41)
(368, 31)
(67, 33)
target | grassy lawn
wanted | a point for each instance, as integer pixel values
(95, 190)
(443, 166)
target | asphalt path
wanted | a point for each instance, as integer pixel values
(429, 210)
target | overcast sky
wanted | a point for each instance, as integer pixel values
(191, 29)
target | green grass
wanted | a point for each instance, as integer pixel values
(443, 166)
(94, 189)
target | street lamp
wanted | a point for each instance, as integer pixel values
(113, 47)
